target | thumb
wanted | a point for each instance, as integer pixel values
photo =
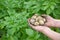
(46, 16)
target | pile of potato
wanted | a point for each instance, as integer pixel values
(37, 20)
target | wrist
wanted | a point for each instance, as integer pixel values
(54, 23)
(45, 29)
(57, 23)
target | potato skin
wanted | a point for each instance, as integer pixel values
(36, 23)
(41, 22)
(34, 17)
(32, 21)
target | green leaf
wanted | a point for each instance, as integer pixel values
(44, 7)
(48, 11)
(29, 32)
(46, 3)
(37, 36)
(56, 13)
(11, 31)
(52, 7)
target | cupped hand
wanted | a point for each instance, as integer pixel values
(37, 28)
(46, 30)
(49, 20)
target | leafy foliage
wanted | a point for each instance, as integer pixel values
(15, 13)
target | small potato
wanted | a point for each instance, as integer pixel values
(39, 17)
(36, 23)
(44, 19)
(41, 22)
(32, 21)
(34, 17)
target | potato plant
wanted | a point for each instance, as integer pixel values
(14, 15)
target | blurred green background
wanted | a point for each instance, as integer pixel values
(14, 15)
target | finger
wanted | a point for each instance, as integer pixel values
(44, 15)
(47, 17)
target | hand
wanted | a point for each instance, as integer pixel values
(50, 21)
(47, 31)
(37, 28)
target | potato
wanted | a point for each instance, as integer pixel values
(37, 20)
(32, 21)
(39, 17)
(41, 22)
(44, 19)
(34, 17)
(36, 23)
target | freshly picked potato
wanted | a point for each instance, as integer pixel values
(37, 20)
